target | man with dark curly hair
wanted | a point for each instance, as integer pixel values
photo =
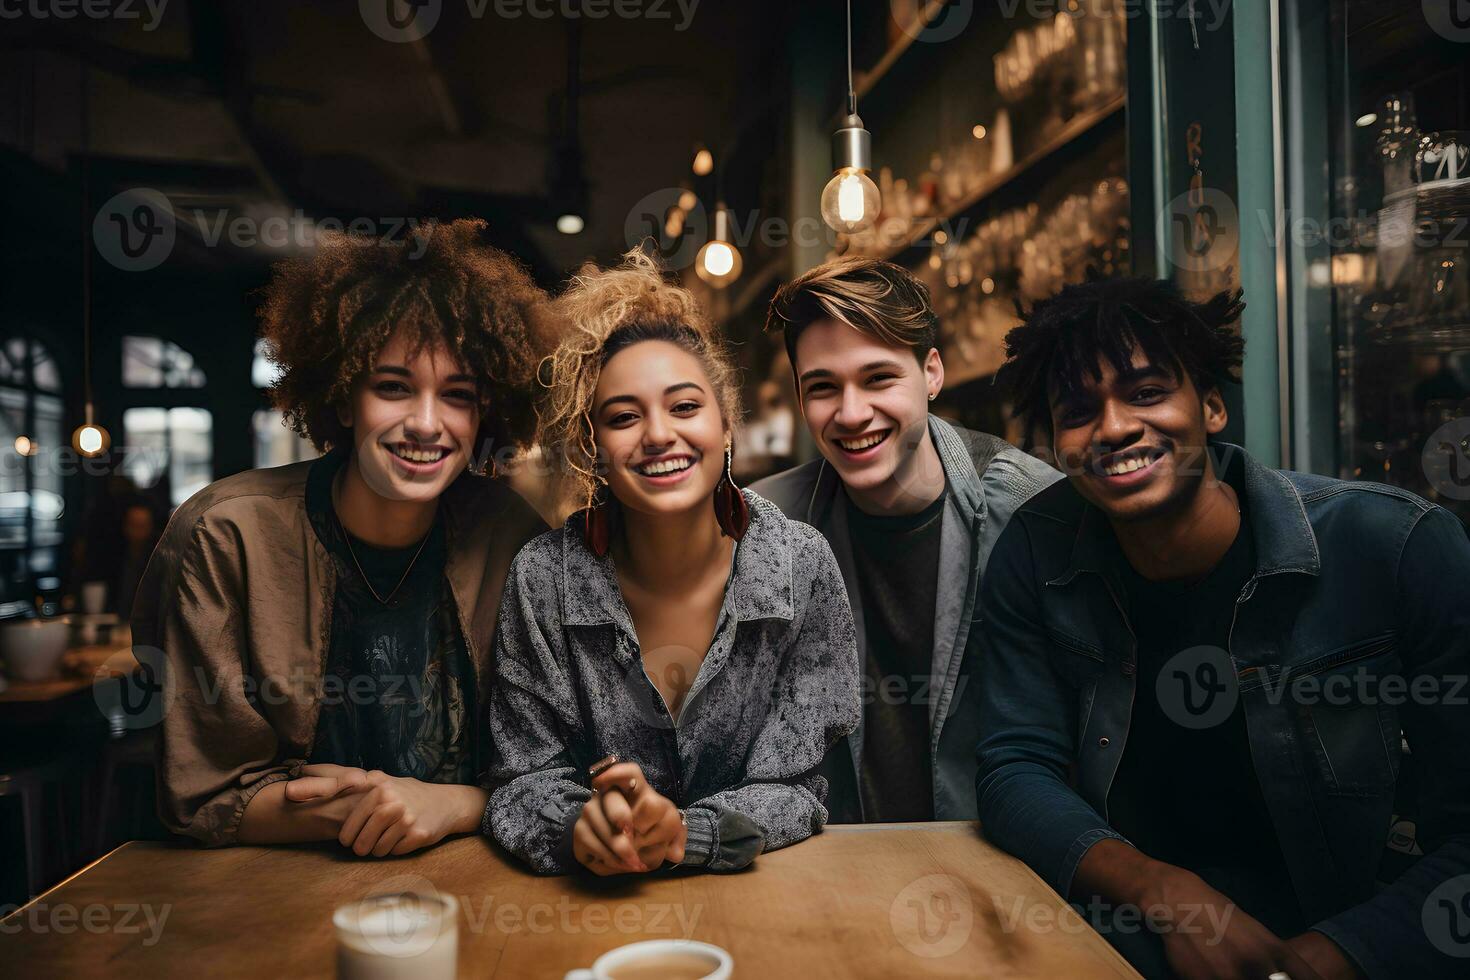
(1193, 681)
(325, 628)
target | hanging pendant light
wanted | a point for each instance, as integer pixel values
(704, 161)
(89, 439)
(850, 201)
(719, 262)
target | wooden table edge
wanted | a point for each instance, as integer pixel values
(70, 878)
(1120, 962)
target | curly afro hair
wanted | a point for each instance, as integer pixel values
(325, 318)
(606, 311)
(1067, 336)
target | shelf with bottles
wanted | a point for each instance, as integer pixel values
(1023, 254)
(1400, 275)
(942, 197)
(990, 108)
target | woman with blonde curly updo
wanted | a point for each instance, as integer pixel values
(326, 627)
(673, 663)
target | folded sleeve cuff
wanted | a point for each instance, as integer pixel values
(1353, 948)
(1075, 853)
(702, 839)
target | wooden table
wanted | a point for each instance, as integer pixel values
(878, 900)
(80, 666)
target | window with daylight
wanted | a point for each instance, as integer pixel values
(152, 362)
(276, 445)
(172, 443)
(264, 372)
(32, 501)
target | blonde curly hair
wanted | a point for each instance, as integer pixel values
(605, 311)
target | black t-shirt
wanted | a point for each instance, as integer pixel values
(897, 564)
(1186, 790)
(398, 688)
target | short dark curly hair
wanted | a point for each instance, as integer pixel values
(1067, 336)
(325, 318)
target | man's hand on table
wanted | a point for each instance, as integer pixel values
(1325, 956)
(627, 827)
(377, 814)
(1243, 947)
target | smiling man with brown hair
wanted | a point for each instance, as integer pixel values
(911, 506)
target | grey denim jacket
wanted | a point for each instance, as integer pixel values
(778, 687)
(988, 480)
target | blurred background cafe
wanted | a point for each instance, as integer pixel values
(158, 158)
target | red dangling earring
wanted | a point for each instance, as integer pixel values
(731, 510)
(597, 525)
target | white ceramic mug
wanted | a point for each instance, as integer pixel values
(402, 936)
(651, 951)
(94, 597)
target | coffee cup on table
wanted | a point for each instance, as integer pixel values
(403, 935)
(94, 597)
(660, 959)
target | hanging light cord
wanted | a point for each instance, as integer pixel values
(86, 247)
(851, 91)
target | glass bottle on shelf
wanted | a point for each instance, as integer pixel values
(1398, 136)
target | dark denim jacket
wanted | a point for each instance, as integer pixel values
(777, 688)
(1360, 599)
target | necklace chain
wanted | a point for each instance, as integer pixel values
(384, 600)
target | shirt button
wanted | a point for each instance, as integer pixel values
(1103, 742)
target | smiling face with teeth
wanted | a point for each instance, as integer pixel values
(658, 429)
(1133, 442)
(414, 419)
(867, 406)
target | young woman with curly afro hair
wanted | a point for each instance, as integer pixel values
(325, 628)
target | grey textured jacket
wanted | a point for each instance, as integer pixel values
(778, 687)
(988, 480)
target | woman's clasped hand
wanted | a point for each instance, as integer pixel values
(627, 827)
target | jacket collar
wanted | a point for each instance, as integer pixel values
(760, 587)
(1279, 526)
